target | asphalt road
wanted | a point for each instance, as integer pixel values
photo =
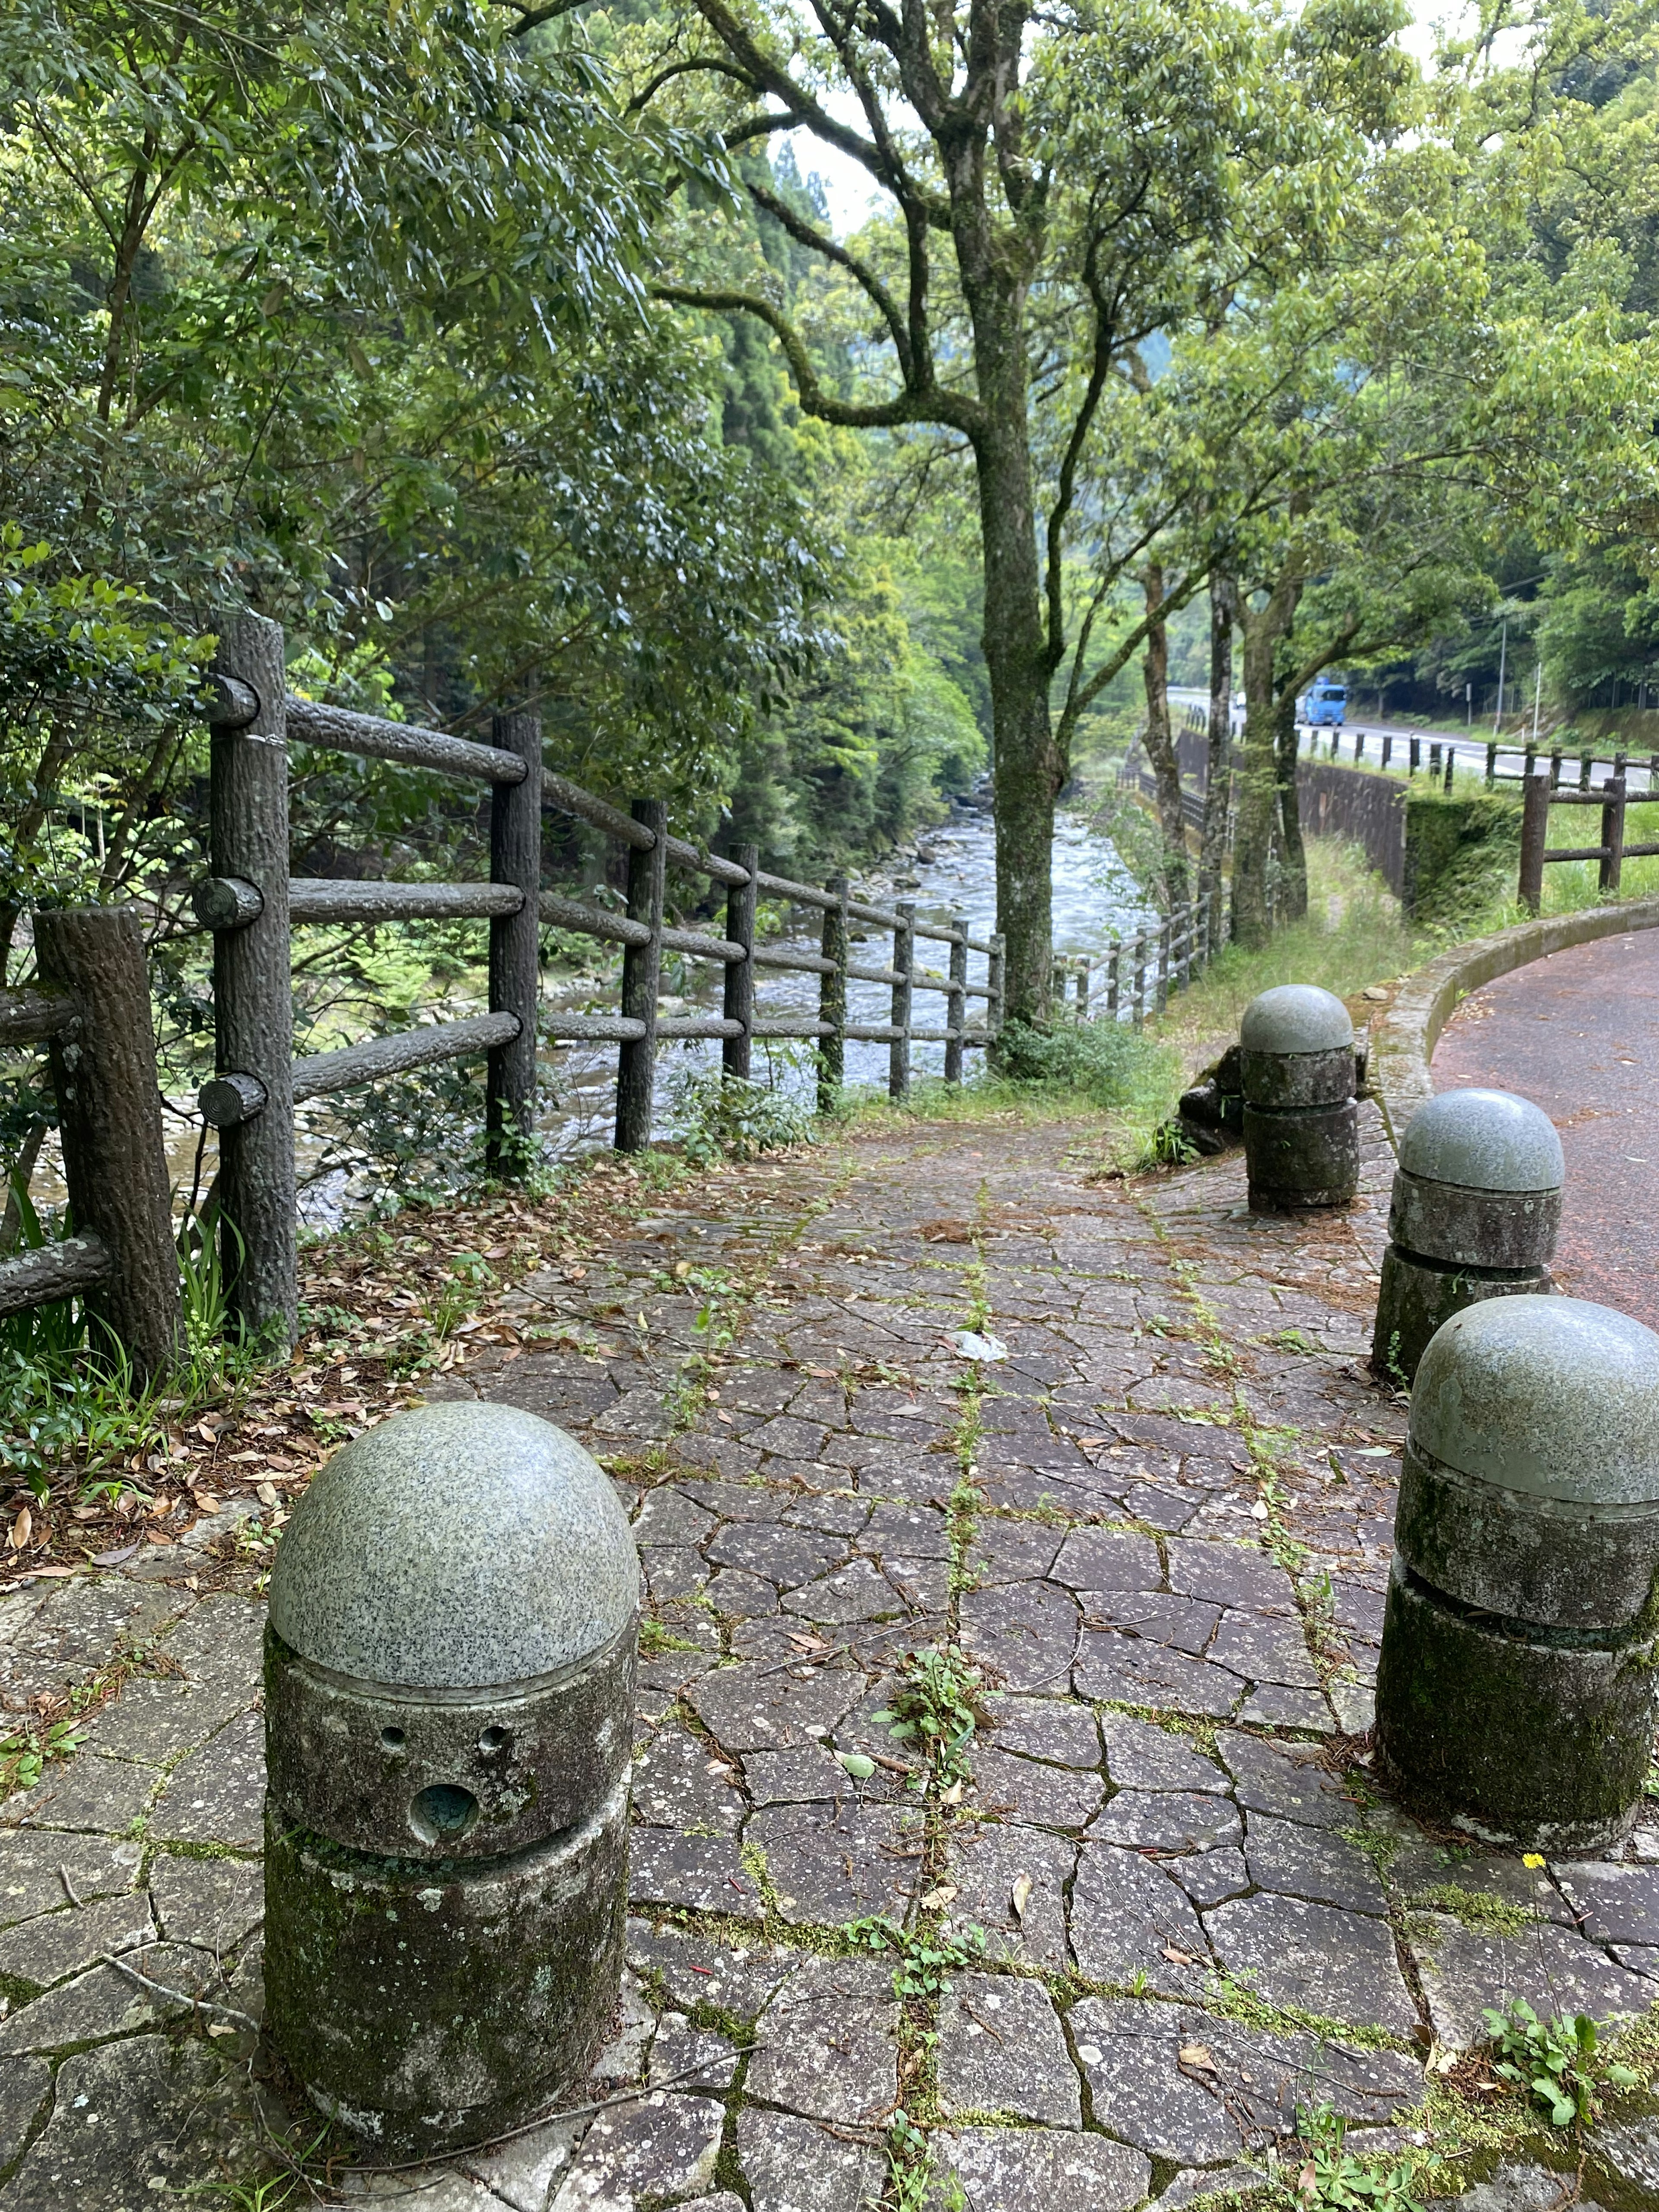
(1579, 1035)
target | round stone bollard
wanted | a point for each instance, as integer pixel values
(1301, 1124)
(1515, 1694)
(449, 1694)
(1477, 1203)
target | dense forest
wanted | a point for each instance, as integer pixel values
(510, 356)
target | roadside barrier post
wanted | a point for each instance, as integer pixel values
(1515, 1693)
(515, 858)
(1534, 837)
(1476, 1208)
(636, 1062)
(739, 1000)
(449, 1681)
(1612, 831)
(1301, 1121)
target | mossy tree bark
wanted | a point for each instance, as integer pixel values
(1212, 838)
(1160, 738)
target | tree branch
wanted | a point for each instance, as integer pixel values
(859, 271)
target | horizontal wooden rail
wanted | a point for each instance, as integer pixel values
(231, 1099)
(313, 899)
(589, 922)
(35, 1278)
(337, 730)
(32, 1016)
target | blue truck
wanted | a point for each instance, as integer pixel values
(1324, 705)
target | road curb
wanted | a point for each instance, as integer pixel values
(1403, 1042)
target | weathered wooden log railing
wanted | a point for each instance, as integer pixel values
(1539, 795)
(1141, 971)
(252, 905)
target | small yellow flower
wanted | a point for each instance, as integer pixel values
(1532, 1859)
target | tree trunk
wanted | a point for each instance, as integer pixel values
(1160, 743)
(1258, 782)
(1028, 768)
(1212, 838)
(1292, 856)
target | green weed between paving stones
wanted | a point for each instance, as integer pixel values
(1556, 2060)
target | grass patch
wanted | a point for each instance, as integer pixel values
(1354, 934)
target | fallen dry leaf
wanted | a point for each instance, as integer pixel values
(937, 1899)
(1178, 1958)
(953, 1795)
(22, 1529)
(1022, 1895)
(1197, 2054)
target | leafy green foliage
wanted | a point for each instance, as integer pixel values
(1553, 2062)
(719, 1116)
(1110, 1064)
(925, 1956)
(1332, 2180)
(935, 1712)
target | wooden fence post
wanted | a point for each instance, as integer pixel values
(1416, 755)
(1141, 978)
(1082, 987)
(1387, 750)
(1164, 945)
(515, 980)
(109, 1105)
(1451, 763)
(1535, 836)
(1612, 832)
(637, 1061)
(739, 1004)
(1492, 766)
(996, 985)
(832, 999)
(956, 1004)
(1555, 771)
(904, 953)
(1584, 766)
(1112, 960)
(252, 996)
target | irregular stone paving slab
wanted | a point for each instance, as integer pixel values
(153, 1722)
(677, 1784)
(212, 1901)
(704, 1872)
(1211, 1877)
(217, 1795)
(1232, 1575)
(1168, 1820)
(1126, 1670)
(1287, 1782)
(105, 2002)
(1615, 1904)
(1631, 2154)
(763, 1709)
(1311, 1862)
(1041, 1728)
(687, 2058)
(34, 1866)
(23, 2086)
(1464, 1970)
(1097, 1559)
(64, 1636)
(1127, 1918)
(665, 2146)
(1232, 2085)
(829, 2044)
(1339, 1964)
(794, 1778)
(989, 1863)
(835, 1862)
(104, 1796)
(1227, 2185)
(1141, 1756)
(1523, 2189)
(1027, 1790)
(57, 1944)
(1004, 2170)
(1180, 1624)
(695, 1970)
(134, 2122)
(1001, 2049)
(1436, 1876)
(791, 2165)
(1027, 1637)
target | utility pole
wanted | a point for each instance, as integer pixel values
(1468, 706)
(1503, 663)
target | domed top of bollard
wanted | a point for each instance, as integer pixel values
(456, 1548)
(1552, 1396)
(1483, 1140)
(1296, 1017)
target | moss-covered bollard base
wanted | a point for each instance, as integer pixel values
(1418, 1295)
(1541, 1745)
(425, 2007)
(1300, 1158)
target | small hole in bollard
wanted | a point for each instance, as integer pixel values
(493, 1740)
(392, 1739)
(442, 1812)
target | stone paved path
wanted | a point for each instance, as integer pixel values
(1153, 1904)
(1578, 1033)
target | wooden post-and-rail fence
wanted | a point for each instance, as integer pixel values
(1541, 790)
(252, 905)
